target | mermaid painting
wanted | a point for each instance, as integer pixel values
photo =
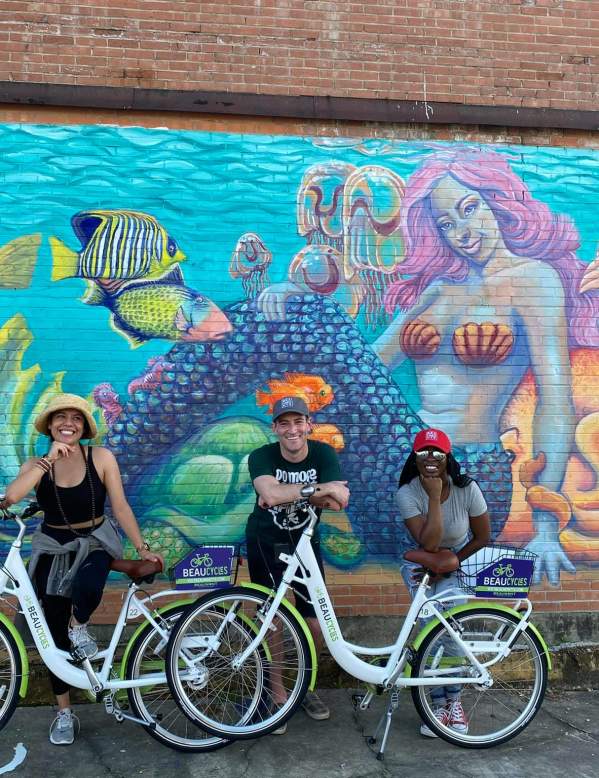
(489, 290)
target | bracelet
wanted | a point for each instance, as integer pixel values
(143, 547)
(44, 465)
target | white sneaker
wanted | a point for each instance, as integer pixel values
(62, 729)
(442, 715)
(83, 643)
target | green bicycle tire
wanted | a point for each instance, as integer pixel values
(500, 712)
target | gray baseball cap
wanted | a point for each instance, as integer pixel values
(289, 405)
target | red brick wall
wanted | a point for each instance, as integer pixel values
(376, 592)
(514, 52)
(371, 589)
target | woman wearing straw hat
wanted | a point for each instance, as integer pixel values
(72, 549)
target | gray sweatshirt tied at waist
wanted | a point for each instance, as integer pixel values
(60, 579)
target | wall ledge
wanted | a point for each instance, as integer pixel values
(312, 107)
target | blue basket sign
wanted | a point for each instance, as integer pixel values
(505, 578)
(206, 567)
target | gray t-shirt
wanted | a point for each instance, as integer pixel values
(412, 501)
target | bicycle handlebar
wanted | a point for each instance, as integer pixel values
(302, 504)
(29, 511)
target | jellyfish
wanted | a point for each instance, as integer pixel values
(373, 247)
(319, 203)
(250, 262)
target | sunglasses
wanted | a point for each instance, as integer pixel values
(426, 452)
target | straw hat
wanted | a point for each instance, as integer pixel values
(60, 403)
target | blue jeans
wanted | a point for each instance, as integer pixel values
(440, 695)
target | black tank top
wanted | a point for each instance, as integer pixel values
(76, 500)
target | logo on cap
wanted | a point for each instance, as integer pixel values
(433, 437)
(287, 402)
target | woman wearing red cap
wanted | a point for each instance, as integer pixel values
(442, 508)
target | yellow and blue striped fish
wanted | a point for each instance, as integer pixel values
(115, 245)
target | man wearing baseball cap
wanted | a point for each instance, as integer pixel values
(292, 469)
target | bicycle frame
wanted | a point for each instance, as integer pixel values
(303, 561)
(15, 581)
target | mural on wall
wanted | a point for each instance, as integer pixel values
(393, 285)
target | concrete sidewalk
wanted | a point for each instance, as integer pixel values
(562, 740)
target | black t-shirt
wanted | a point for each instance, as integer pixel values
(320, 466)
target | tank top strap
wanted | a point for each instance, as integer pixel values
(92, 468)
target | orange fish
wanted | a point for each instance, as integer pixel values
(319, 392)
(310, 388)
(276, 390)
(328, 433)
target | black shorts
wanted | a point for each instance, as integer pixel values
(266, 568)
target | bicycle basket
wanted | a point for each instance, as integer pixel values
(498, 571)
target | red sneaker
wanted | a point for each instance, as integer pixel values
(457, 718)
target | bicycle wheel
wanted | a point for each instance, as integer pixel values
(497, 713)
(239, 703)
(11, 672)
(172, 728)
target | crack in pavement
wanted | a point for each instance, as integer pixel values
(251, 745)
(589, 737)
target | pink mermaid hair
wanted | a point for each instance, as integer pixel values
(528, 227)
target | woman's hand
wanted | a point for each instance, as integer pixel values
(152, 556)
(58, 450)
(432, 485)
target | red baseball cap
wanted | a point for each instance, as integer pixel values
(436, 438)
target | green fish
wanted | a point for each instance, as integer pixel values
(161, 309)
(115, 245)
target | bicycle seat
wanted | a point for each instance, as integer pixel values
(138, 570)
(438, 562)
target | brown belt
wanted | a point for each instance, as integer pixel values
(82, 525)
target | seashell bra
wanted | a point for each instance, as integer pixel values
(478, 345)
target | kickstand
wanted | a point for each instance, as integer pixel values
(386, 720)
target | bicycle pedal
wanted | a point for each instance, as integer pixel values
(362, 701)
(77, 655)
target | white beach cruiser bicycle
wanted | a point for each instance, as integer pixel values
(141, 671)
(240, 660)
